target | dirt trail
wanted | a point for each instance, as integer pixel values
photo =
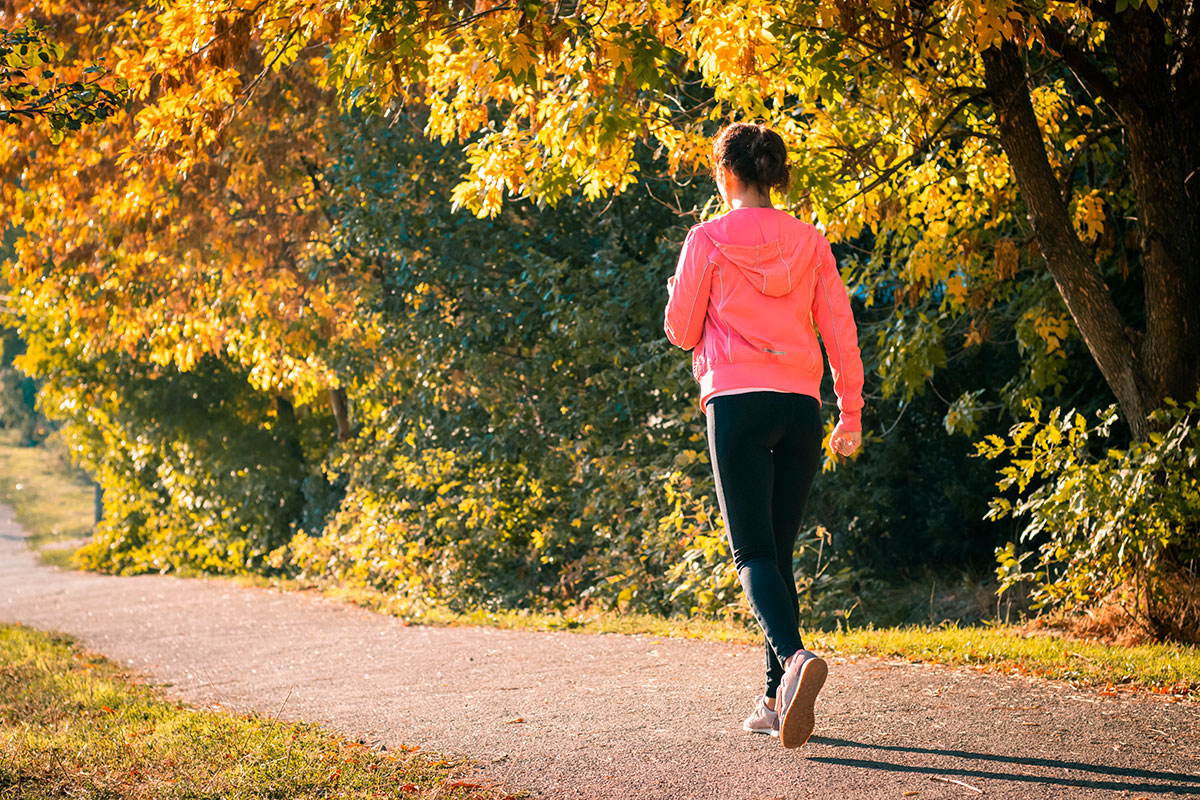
(608, 716)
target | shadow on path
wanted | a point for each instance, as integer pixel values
(1082, 782)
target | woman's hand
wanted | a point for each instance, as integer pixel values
(844, 443)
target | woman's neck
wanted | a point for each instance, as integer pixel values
(750, 199)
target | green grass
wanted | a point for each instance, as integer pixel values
(74, 725)
(50, 498)
(1158, 668)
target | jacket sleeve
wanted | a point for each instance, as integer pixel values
(687, 292)
(835, 321)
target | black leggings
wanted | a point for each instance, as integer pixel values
(765, 449)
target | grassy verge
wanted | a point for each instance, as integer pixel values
(55, 504)
(1168, 669)
(73, 725)
(50, 498)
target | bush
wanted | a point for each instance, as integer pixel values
(200, 471)
(526, 436)
(1103, 523)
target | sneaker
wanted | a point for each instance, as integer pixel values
(762, 720)
(797, 695)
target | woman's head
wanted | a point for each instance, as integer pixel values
(754, 154)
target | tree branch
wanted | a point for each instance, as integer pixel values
(919, 151)
(1086, 71)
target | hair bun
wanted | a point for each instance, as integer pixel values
(756, 155)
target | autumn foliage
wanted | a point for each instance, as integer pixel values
(1006, 185)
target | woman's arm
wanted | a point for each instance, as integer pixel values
(687, 291)
(835, 321)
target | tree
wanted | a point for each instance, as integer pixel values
(916, 122)
(913, 124)
(134, 248)
(1156, 57)
(979, 189)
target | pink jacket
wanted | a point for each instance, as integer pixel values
(748, 287)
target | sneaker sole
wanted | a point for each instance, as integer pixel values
(799, 720)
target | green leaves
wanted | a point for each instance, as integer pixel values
(1103, 520)
(911, 350)
(31, 91)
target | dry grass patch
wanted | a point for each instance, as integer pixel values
(74, 725)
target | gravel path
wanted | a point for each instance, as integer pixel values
(563, 715)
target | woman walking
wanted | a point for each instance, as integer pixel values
(748, 288)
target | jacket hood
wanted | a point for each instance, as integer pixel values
(773, 268)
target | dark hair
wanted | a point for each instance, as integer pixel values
(756, 154)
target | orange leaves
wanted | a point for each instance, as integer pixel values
(1007, 259)
(174, 231)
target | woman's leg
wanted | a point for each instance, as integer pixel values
(742, 432)
(796, 459)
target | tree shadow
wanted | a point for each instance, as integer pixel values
(1181, 784)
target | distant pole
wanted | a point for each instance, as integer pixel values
(99, 503)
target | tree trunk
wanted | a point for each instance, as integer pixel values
(1170, 352)
(1109, 340)
(288, 430)
(1185, 81)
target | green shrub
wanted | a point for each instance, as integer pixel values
(200, 471)
(1103, 523)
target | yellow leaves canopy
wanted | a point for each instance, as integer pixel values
(200, 203)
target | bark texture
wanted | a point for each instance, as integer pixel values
(1170, 352)
(338, 404)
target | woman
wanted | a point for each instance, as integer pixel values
(748, 288)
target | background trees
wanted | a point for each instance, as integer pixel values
(427, 389)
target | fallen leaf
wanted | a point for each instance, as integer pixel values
(515, 721)
(963, 784)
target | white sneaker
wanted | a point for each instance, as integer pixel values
(762, 720)
(797, 694)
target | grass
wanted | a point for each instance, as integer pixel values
(51, 499)
(1169, 669)
(1166, 669)
(74, 725)
(55, 505)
